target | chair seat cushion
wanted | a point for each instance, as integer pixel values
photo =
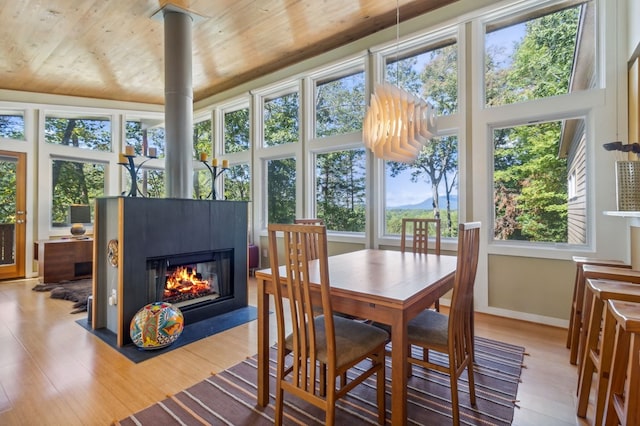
(429, 328)
(353, 339)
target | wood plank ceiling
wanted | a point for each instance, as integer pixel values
(112, 49)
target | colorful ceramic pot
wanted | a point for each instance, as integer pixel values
(156, 325)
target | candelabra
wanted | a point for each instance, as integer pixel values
(126, 161)
(215, 173)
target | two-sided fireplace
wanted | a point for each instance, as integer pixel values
(190, 253)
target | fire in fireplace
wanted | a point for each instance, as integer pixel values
(191, 280)
(186, 283)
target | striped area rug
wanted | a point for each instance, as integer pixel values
(229, 397)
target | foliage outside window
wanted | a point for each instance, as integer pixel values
(202, 142)
(12, 126)
(8, 181)
(236, 131)
(340, 190)
(431, 75)
(85, 133)
(237, 183)
(540, 56)
(280, 121)
(281, 190)
(530, 184)
(533, 59)
(142, 137)
(74, 182)
(151, 183)
(339, 105)
(427, 188)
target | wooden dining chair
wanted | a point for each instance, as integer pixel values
(418, 229)
(320, 349)
(452, 334)
(312, 239)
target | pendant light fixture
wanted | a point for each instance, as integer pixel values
(397, 124)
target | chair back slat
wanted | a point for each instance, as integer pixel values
(461, 309)
(311, 239)
(420, 230)
(295, 290)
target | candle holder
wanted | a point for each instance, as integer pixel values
(126, 161)
(215, 173)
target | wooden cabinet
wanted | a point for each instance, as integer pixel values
(65, 259)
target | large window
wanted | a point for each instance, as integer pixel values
(202, 143)
(142, 135)
(236, 147)
(340, 190)
(145, 135)
(428, 73)
(534, 57)
(74, 182)
(427, 187)
(339, 105)
(237, 183)
(12, 125)
(236, 131)
(539, 165)
(530, 184)
(92, 133)
(280, 121)
(281, 190)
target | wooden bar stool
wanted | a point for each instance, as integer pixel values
(600, 272)
(623, 393)
(599, 345)
(575, 319)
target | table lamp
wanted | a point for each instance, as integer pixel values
(79, 214)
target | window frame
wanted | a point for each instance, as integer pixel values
(583, 104)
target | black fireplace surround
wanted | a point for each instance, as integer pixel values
(169, 231)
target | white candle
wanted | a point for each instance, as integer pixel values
(128, 150)
(225, 164)
(214, 162)
(153, 152)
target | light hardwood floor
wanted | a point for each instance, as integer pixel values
(53, 372)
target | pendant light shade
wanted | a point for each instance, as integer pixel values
(397, 124)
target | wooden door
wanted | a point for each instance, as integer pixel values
(13, 177)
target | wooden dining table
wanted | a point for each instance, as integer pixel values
(389, 287)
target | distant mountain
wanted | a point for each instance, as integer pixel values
(428, 204)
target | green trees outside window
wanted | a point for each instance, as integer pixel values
(12, 126)
(281, 121)
(281, 190)
(340, 105)
(340, 190)
(429, 186)
(237, 183)
(529, 177)
(236, 131)
(85, 133)
(142, 136)
(74, 182)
